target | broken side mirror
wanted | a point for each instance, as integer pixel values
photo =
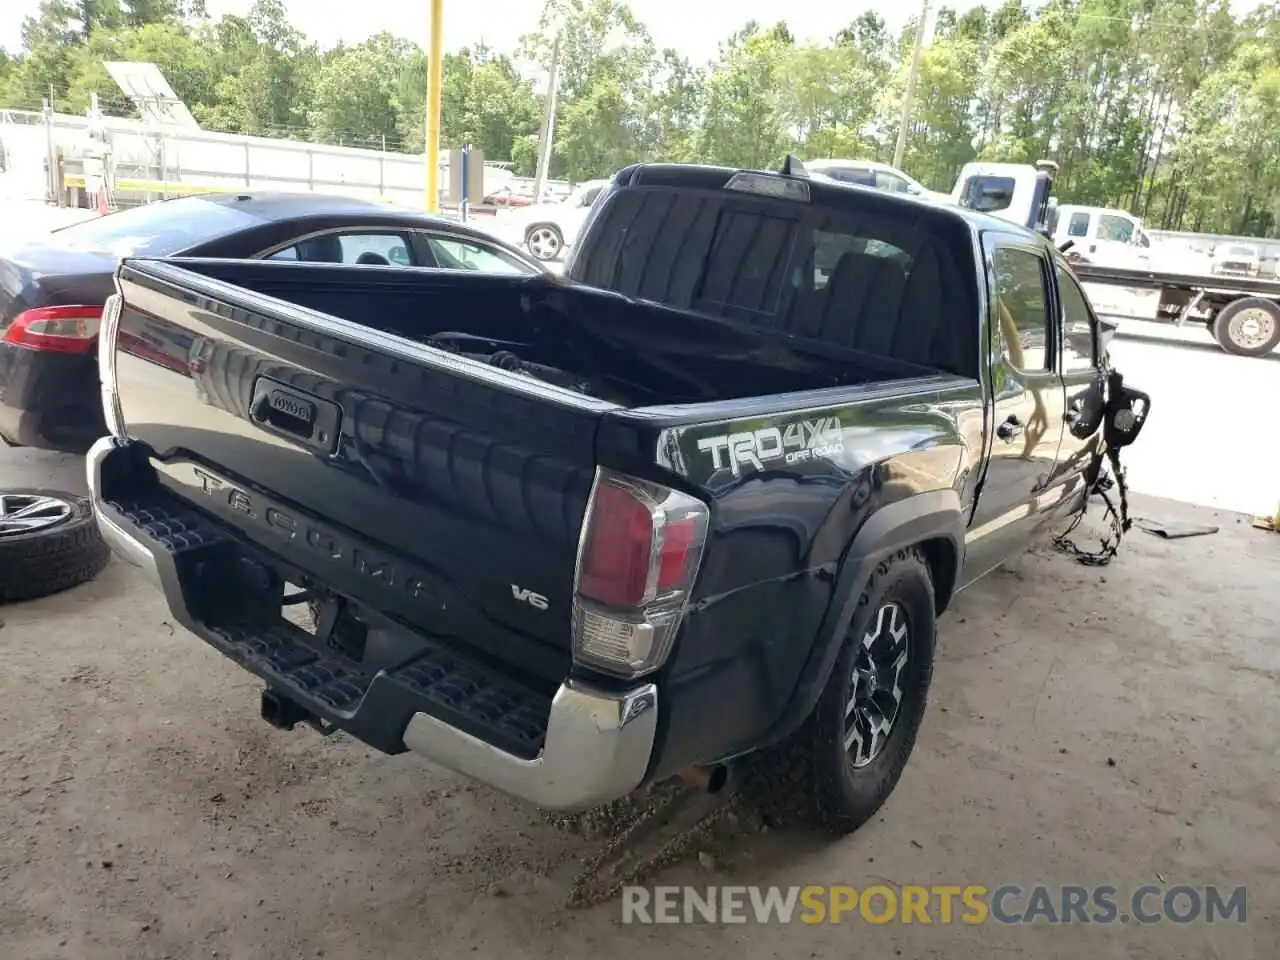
(1127, 411)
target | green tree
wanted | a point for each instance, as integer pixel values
(941, 141)
(608, 73)
(485, 103)
(1166, 107)
(670, 109)
(744, 118)
(354, 97)
(266, 69)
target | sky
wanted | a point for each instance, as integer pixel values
(694, 27)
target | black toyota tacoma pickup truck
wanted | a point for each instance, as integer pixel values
(700, 501)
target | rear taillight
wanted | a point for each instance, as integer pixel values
(638, 558)
(56, 329)
(107, 365)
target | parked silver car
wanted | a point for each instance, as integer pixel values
(871, 173)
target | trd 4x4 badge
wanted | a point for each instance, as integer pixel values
(792, 443)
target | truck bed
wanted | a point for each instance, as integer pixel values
(639, 353)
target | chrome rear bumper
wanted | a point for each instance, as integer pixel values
(597, 745)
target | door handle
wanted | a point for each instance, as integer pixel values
(1011, 427)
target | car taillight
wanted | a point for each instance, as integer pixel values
(640, 549)
(70, 329)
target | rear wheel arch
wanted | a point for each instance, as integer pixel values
(932, 523)
(842, 763)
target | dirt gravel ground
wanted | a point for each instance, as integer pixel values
(1073, 737)
(1087, 726)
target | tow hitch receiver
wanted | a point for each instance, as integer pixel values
(284, 713)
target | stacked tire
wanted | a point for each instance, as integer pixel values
(49, 542)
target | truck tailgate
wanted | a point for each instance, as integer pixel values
(425, 486)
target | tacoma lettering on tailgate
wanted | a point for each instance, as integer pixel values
(327, 545)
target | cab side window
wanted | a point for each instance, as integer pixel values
(1022, 308)
(887, 181)
(1115, 228)
(1079, 332)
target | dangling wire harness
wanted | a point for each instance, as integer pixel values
(1120, 425)
(1118, 518)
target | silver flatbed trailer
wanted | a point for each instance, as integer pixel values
(1242, 313)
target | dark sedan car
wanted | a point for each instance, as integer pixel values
(52, 291)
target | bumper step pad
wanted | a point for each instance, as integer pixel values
(375, 708)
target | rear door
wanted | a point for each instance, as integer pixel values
(1075, 225)
(1027, 404)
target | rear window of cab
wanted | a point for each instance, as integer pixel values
(867, 275)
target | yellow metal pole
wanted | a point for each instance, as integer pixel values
(435, 82)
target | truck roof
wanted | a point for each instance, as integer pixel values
(831, 192)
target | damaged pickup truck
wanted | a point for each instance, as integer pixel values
(699, 503)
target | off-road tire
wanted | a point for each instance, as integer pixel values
(55, 558)
(809, 777)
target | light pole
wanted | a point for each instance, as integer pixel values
(435, 83)
(901, 146)
(548, 133)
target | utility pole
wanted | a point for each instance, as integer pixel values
(435, 83)
(51, 154)
(547, 136)
(901, 146)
